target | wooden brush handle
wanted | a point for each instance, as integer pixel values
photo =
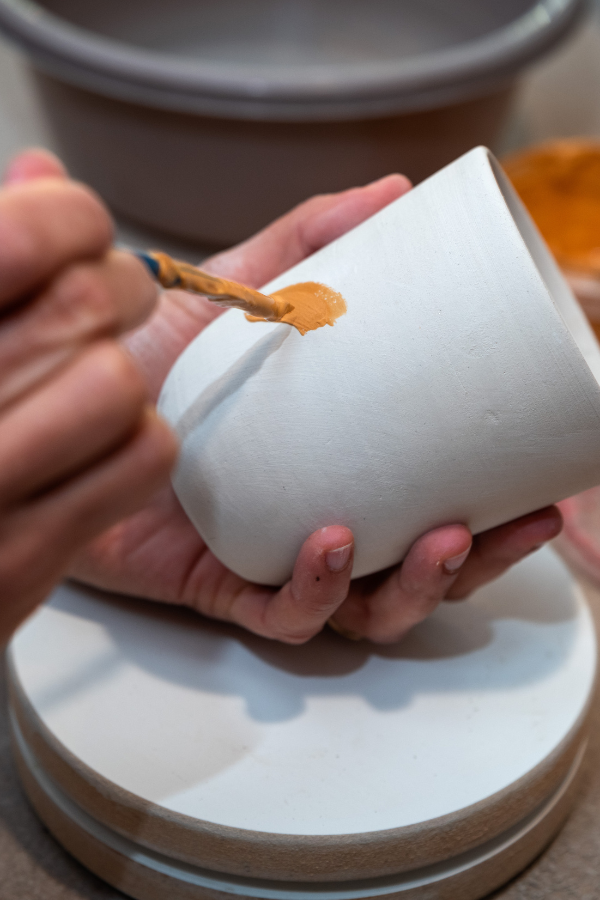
(172, 273)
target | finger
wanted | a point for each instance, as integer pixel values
(38, 540)
(305, 229)
(86, 302)
(47, 224)
(81, 415)
(34, 162)
(156, 554)
(114, 488)
(300, 609)
(384, 607)
(179, 317)
(498, 549)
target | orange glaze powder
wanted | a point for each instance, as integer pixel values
(314, 305)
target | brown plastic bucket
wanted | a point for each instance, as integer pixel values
(207, 120)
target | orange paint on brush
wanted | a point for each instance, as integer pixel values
(306, 306)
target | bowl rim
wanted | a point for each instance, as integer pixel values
(116, 68)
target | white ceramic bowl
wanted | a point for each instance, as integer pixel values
(460, 386)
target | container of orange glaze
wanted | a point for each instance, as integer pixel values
(559, 182)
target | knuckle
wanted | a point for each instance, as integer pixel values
(317, 606)
(421, 589)
(295, 629)
(99, 227)
(116, 370)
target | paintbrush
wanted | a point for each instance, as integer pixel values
(171, 273)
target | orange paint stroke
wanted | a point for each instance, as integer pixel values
(314, 305)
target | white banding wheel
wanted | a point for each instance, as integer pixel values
(179, 757)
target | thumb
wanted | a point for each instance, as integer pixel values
(33, 163)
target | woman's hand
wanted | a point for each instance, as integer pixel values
(80, 446)
(158, 554)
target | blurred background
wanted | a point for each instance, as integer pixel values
(200, 122)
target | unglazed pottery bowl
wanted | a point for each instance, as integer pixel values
(462, 385)
(210, 119)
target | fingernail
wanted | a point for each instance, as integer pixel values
(453, 564)
(336, 560)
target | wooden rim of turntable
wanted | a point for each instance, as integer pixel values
(305, 858)
(147, 875)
